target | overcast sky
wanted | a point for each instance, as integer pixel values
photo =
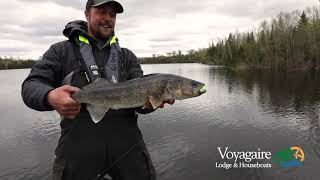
(29, 27)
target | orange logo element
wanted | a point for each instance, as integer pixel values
(297, 153)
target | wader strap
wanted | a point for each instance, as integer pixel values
(111, 67)
(90, 64)
(111, 70)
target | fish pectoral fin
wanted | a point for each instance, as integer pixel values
(155, 101)
(96, 112)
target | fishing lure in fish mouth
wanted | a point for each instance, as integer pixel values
(202, 89)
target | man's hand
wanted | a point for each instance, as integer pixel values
(61, 101)
(148, 105)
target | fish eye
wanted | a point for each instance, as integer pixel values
(194, 84)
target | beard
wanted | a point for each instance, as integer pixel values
(100, 36)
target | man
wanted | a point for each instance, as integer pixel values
(86, 149)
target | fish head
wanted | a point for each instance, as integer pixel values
(188, 88)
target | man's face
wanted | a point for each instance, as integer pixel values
(101, 21)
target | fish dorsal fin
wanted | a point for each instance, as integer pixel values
(155, 101)
(148, 75)
(96, 112)
(97, 83)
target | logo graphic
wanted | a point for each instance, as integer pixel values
(243, 159)
(289, 157)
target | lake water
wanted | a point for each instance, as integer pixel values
(244, 111)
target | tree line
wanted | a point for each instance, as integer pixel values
(11, 63)
(288, 41)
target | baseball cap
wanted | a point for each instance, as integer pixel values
(94, 3)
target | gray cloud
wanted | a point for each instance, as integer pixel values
(157, 45)
(165, 39)
(28, 27)
(164, 8)
(69, 3)
(14, 49)
(32, 31)
(257, 9)
(42, 26)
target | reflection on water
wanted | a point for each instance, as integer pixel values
(241, 110)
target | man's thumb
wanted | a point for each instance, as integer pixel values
(70, 89)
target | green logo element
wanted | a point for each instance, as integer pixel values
(289, 157)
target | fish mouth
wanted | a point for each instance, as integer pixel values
(202, 89)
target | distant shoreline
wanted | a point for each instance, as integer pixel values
(236, 68)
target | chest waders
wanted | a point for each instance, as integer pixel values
(111, 69)
(111, 72)
(88, 63)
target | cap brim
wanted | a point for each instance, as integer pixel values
(119, 8)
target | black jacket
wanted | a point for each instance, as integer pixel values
(62, 58)
(86, 148)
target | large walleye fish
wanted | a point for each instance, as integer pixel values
(102, 95)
